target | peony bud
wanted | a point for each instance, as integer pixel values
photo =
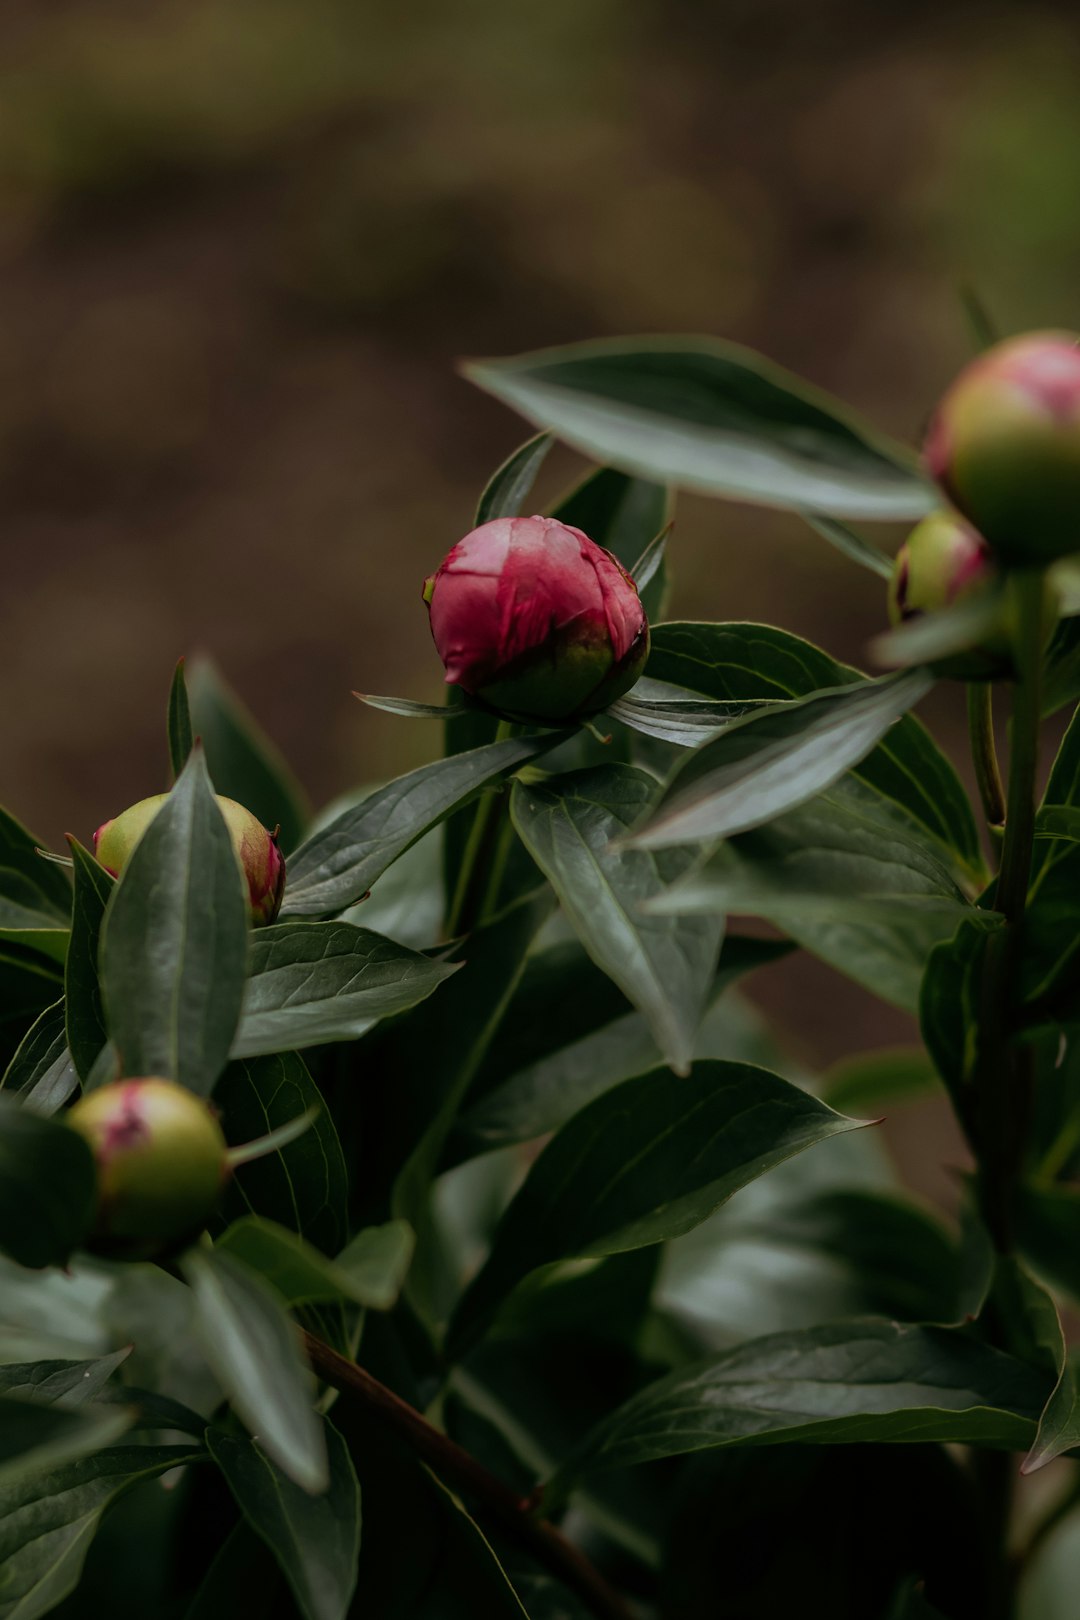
(1005, 447)
(942, 561)
(256, 849)
(161, 1163)
(537, 621)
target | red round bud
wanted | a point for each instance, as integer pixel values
(161, 1163)
(1005, 447)
(262, 862)
(537, 621)
(941, 562)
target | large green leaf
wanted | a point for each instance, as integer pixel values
(508, 487)
(243, 762)
(568, 1037)
(312, 982)
(315, 1539)
(41, 1070)
(645, 1162)
(851, 1381)
(851, 877)
(624, 515)
(254, 1349)
(756, 662)
(369, 1271)
(304, 1185)
(684, 721)
(47, 1186)
(86, 1032)
(178, 721)
(713, 417)
(174, 941)
(663, 965)
(775, 759)
(67, 1383)
(48, 1521)
(339, 863)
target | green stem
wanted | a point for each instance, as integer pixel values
(980, 707)
(1003, 1071)
(470, 888)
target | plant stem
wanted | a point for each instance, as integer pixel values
(472, 877)
(499, 1505)
(980, 706)
(1003, 1071)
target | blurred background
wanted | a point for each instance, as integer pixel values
(242, 247)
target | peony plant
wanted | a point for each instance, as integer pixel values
(404, 1211)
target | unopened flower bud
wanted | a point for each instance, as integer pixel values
(941, 562)
(537, 621)
(262, 862)
(1005, 447)
(161, 1163)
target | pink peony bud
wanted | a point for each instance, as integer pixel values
(256, 849)
(942, 561)
(1005, 447)
(161, 1163)
(537, 621)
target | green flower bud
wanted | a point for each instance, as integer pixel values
(941, 562)
(161, 1163)
(1005, 447)
(256, 849)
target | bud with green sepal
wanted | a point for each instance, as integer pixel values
(256, 849)
(1004, 445)
(537, 621)
(942, 562)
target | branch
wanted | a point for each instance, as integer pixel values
(499, 1504)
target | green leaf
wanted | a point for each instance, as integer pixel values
(315, 1539)
(174, 941)
(304, 1185)
(758, 663)
(411, 710)
(67, 1383)
(36, 1435)
(178, 722)
(948, 1007)
(254, 1350)
(712, 417)
(312, 982)
(627, 516)
(775, 760)
(369, 1271)
(41, 1070)
(28, 879)
(967, 625)
(29, 985)
(244, 763)
(1051, 941)
(645, 1162)
(1058, 821)
(833, 1385)
(509, 486)
(851, 877)
(339, 863)
(850, 545)
(48, 1522)
(684, 721)
(568, 1037)
(1061, 671)
(47, 1187)
(85, 1016)
(663, 965)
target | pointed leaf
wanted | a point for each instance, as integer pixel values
(254, 1350)
(663, 966)
(243, 762)
(368, 1272)
(85, 1016)
(312, 982)
(174, 941)
(645, 1162)
(851, 1381)
(755, 662)
(48, 1522)
(339, 863)
(64, 1383)
(411, 710)
(28, 879)
(178, 721)
(685, 721)
(850, 544)
(508, 487)
(713, 417)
